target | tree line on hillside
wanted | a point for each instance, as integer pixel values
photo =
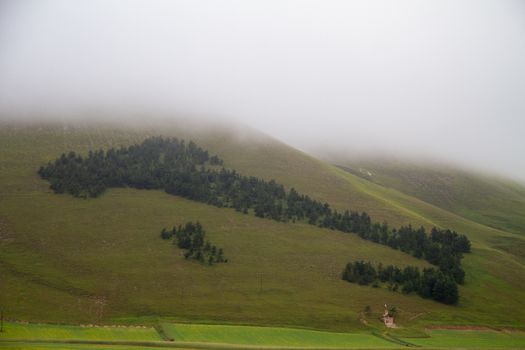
(192, 238)
(154, 164)
(442, 247)
(430, 283)
(186, 170)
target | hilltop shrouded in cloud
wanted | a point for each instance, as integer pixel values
(443, 79)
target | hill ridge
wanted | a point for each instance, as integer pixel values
(299, 265)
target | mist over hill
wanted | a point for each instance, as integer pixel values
(436, 79)
(295, 163)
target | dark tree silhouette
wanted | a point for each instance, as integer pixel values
(191, 238)
(186, 170)
(431, 283)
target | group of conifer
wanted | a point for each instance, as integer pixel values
(429, 283)
(192, 239)
(187, 170)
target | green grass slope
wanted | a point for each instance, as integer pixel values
(491, 201)
(272, 336)
(65, 259)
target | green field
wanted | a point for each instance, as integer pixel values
(49, 331)
(48, 346)
(200, 336)
(271, 336)
(475, 339)
(44, 336)
(69, 260)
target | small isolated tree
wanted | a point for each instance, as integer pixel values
(165, 234)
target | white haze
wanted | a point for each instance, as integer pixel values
(437, 79)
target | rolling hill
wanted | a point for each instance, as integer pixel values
(489, 200)
(64, 259)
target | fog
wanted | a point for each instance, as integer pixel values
(435, 79)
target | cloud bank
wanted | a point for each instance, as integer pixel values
(440, 78)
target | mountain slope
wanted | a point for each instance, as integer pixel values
(490, 201)
(100, 259)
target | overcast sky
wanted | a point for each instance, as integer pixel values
(444, 79)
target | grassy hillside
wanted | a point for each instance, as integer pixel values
(65, 259)
(490, 201)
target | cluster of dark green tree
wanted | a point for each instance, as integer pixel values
(187, 170)
(156, 163)
(443, 248)
(192, 238)
(430, 283)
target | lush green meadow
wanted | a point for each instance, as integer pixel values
(66, 346)
(45, 336)
(200, 336)
(69, 260)
(475, 339)
(33, 331)
(271, 336)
